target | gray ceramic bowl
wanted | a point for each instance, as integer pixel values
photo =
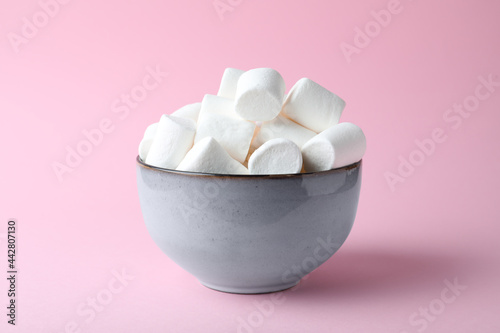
(248, 234)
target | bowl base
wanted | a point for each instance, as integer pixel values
(251, 290)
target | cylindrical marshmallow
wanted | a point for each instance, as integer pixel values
(337, 146)
(190, 111)
(259, 94)
(276, 156)
(147, 140)
(228, 83)
(281, 127)
(173, 139)
(313, 106)
(232, 133)
(208, 156)
(217, 105)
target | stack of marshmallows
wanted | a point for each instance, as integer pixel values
(253, 127)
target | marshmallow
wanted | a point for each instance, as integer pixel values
(253, 147)
(217, 105)
(276, 156)
(281, 127)
(338, 146)
(190, 111)
(147, 140)
(259, 94)
(228, 83)
(232, 133)
(173, 139)
(208, 156)
(313, 106)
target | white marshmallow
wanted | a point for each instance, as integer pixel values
(173, 139)
(151, 130)
(337, 146)
(253, 147)
(217, 105)
(313, 106)
(147, 140)
(259, 94)
(208, 156)
(232, 133)
(228, 83)
(190, 111)
(276, 156)
(281, 127)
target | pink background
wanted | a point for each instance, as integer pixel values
(441, 223)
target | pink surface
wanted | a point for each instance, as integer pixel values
(436, 225)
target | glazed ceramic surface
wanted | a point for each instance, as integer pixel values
(248, 234)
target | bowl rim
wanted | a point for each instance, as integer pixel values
(276, 176)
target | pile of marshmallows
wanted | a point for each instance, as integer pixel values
(252, 127)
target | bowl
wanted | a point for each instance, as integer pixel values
(252, 233)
